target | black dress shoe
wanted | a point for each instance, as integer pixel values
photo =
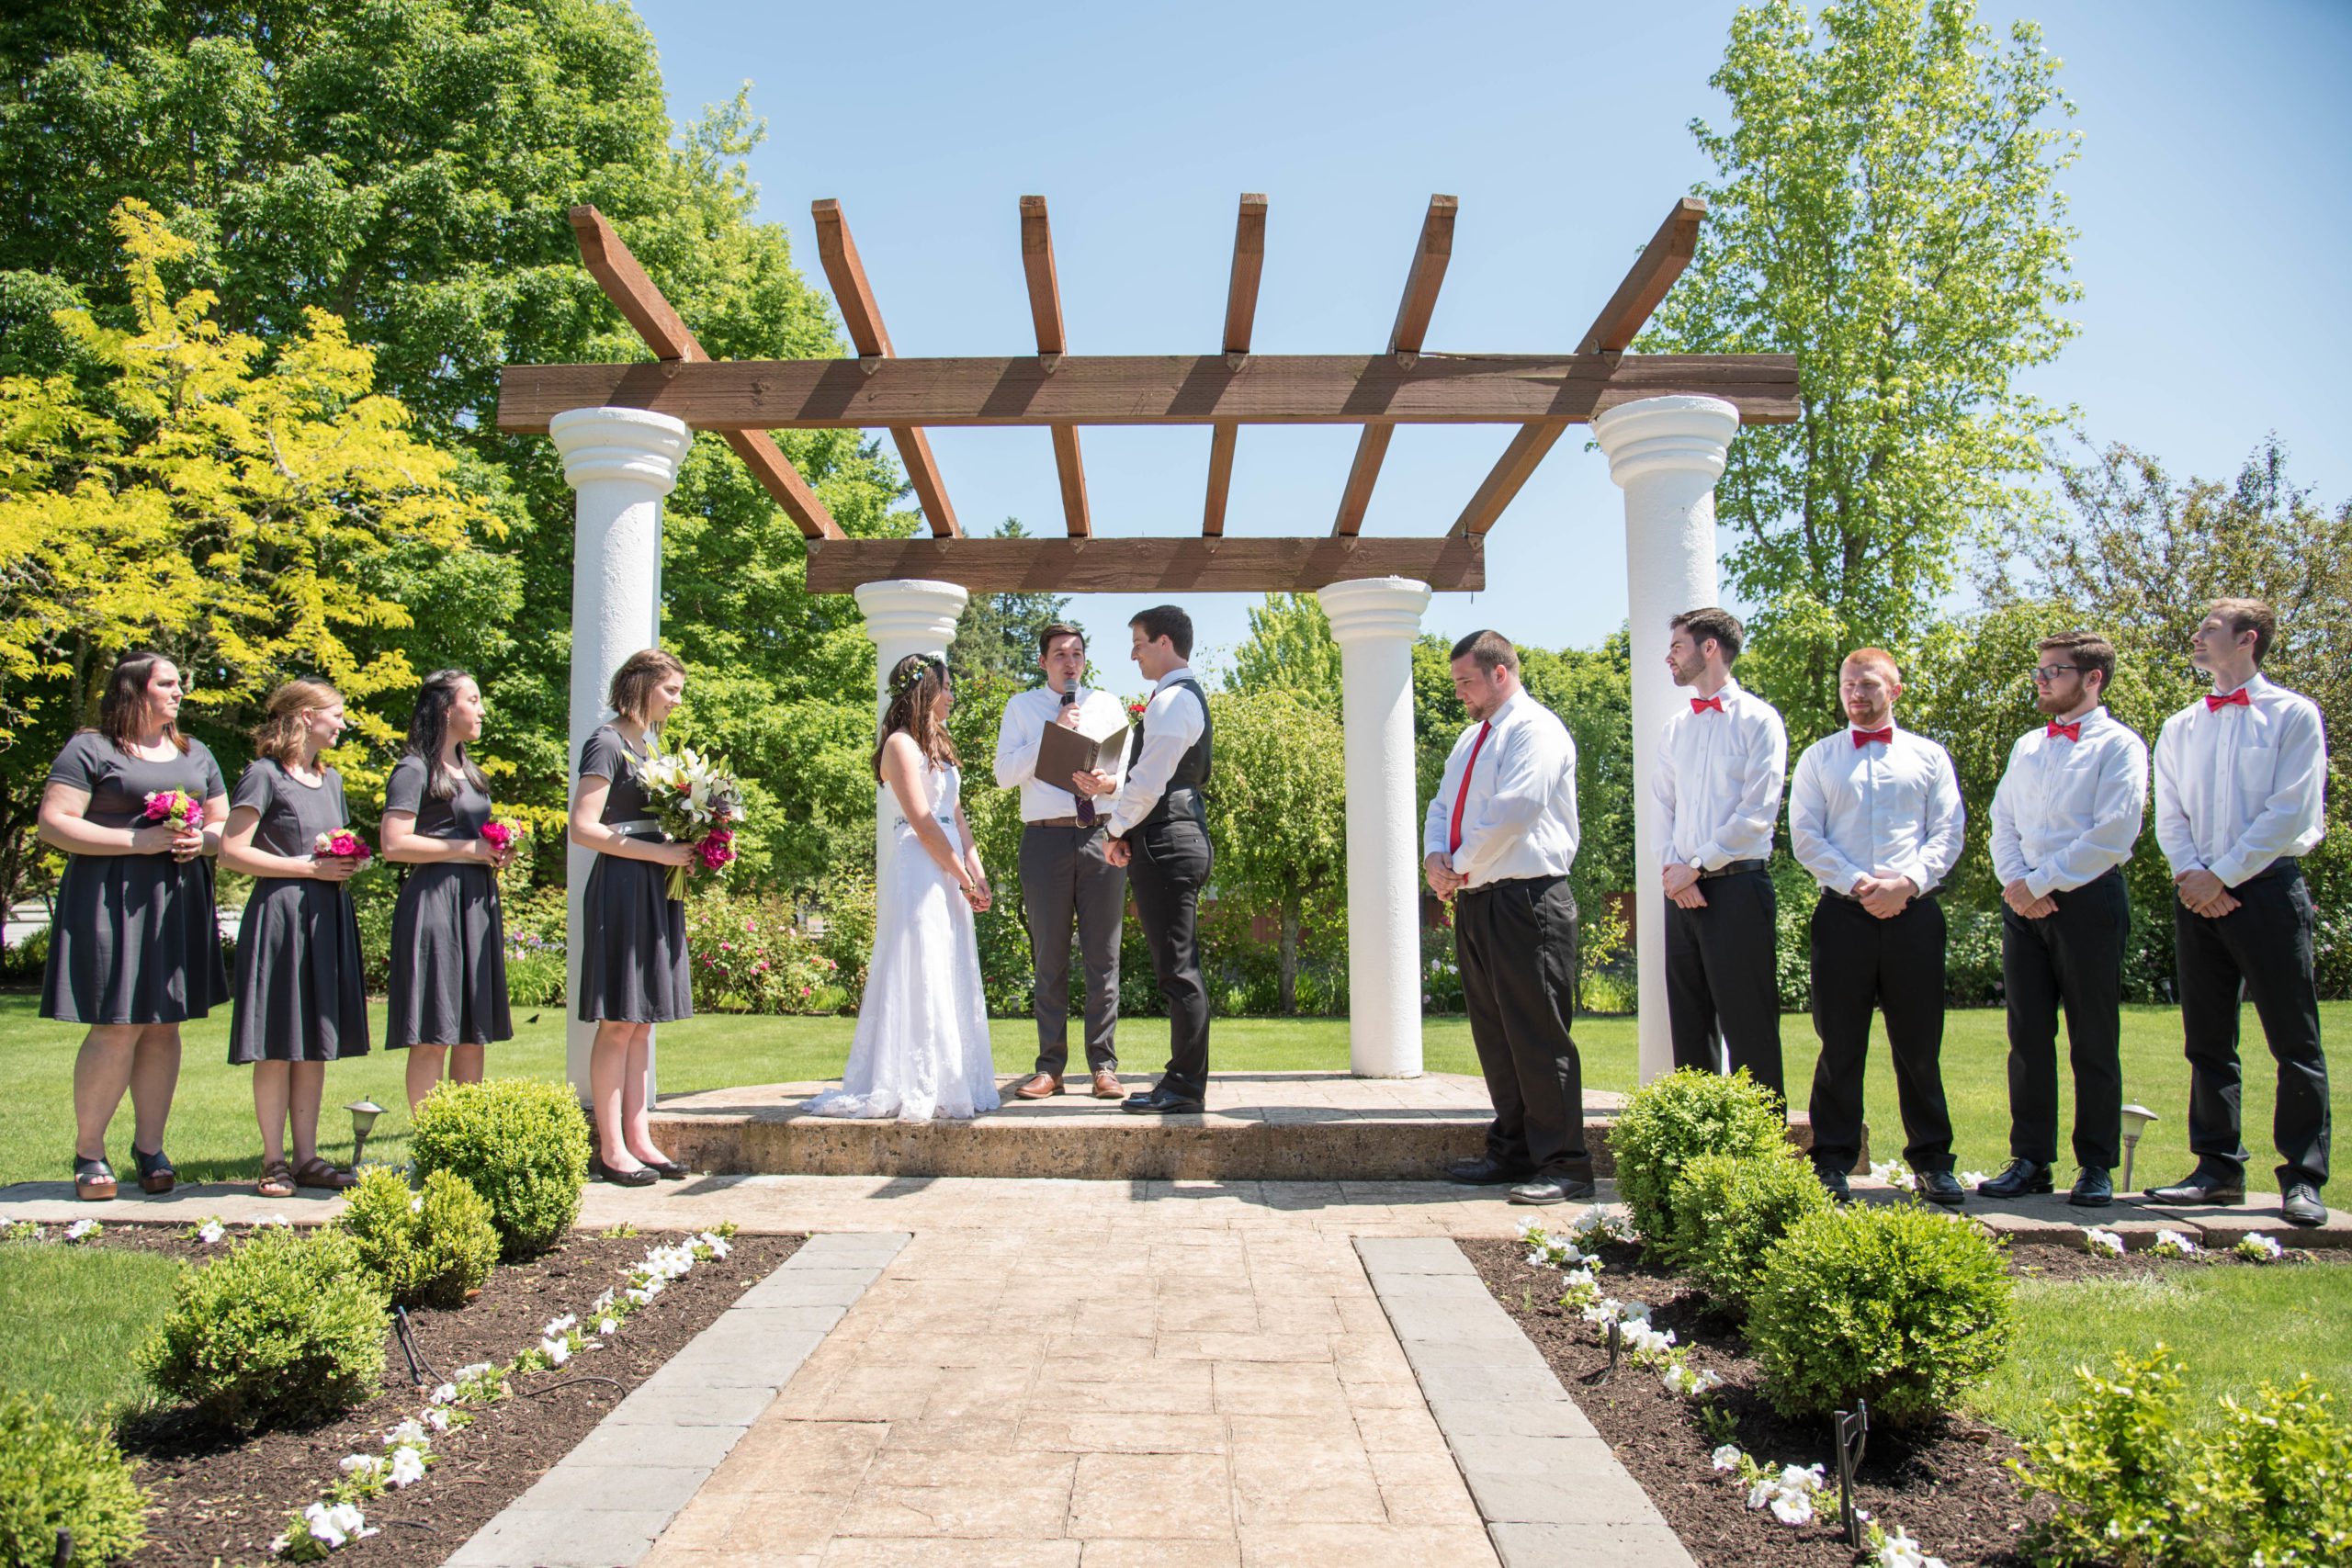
(668, 1170)
(1485, 1172)
(1833, 1180)
(2200, 1187)
(1942, 1186)
(2024, 1178)
(2299, 1204)
(642, 1175)
(2093, 1189)
(1551, 1189)
(1160, 1103)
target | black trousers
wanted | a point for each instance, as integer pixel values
(1064, 877)
(1862, 963)
(1171, 864)
(2072, 960)
(2261, 950)
(1722, 980)
(1516, 943)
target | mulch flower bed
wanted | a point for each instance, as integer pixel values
(220, 1500)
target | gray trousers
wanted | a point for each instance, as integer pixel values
(1064, 877)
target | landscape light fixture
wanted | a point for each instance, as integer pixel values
(2136, 1117)
(363, 1121)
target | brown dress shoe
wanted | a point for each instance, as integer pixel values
(1106, 1085)
(1043, 1086)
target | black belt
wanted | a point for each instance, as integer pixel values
(1500, 882)
(1849, 899)
(2285, 865)
(1734, 868)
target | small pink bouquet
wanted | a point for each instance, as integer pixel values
(181, 809)
(342, 844)
(500, 837)
(717, 850)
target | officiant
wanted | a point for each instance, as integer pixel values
(1065, 876)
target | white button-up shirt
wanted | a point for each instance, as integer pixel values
(1173, 720)
(1718, 780)
(1026, 714)
(1520, 818)
(2237, 787)
(2069, 811)
(1887, 808)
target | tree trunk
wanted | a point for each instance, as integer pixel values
(1290, 956)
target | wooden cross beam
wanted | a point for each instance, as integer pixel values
(1147, 566)
(1431, 254)
(1045, 313)
(646, 309)
(855, 295)
(1240, 313)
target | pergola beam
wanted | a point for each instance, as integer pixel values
(1432, 251)
(863, 317)
(1621, 320)
(1240, 317)
(648, 309)
(1148, 565)
(1045, 313)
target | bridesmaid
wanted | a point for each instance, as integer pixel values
(134, 947)
(633, 970)
(299, 998)
(449, 979)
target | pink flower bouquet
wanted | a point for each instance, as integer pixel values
(181, 809)
(342, 844)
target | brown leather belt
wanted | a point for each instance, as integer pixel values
(1065, 822)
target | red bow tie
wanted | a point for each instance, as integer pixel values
(1701, 704)
(2058, 731)
(1883, 737)
(2236, 699)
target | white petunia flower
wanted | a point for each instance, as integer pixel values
(2109, 1241)
(556, 1350)
(2174, 1244)
(557, 1326)
(438, 1418)
(1793, 1507)
(408, 1467)
(1972, 1180)
(211, 1232)
(361, 1464)
(446, 1394)
(335, 1524)
(408, 1433)
(608, 1326)
(417, 1203)
(82, 1229)
(1728, 1456)
(2259, 1248)
(465, 1373)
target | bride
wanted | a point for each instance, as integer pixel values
(921, 1048)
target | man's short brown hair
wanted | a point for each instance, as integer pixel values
(1492, 649)
(1166, 621)
(2249, 615)
(2088, 651)
(1877, 659)
(1712, 622)
(1052, 629)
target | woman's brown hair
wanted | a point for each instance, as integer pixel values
(278, 736)
(123, 710)
(634, 682)
(915, 684)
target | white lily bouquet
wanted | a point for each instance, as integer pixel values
(697, 802)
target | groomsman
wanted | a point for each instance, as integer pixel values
(1065, 877)
(1160, 831)
(2239, 780)
(1718, 782)
(2064, 819)
(1874, 814)
(1501, 835)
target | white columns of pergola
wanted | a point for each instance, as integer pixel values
(619, 463)
(1665, 454)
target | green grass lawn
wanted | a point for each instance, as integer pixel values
(76, 1317)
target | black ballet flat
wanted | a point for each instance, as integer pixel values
(668, 1170)
(642, 1175)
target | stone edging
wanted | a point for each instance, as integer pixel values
(605, 1502)
(1548, 1487)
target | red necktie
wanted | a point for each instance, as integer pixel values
(2236, 699)
(1883, 737)
(1461, 795)
(2058, 731)
(1701, 704)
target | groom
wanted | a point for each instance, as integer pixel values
(1160, 832)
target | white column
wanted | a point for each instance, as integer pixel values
(905, 616)
(1374, 620)
(1665, 454)
(619, 463)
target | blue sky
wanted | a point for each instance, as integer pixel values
(2212, 195)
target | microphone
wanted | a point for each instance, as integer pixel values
(1085, 802)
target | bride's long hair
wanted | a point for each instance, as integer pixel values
(916, 682)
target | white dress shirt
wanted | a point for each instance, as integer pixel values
(2237, 787)
(2068, 812)
(1887, 808)
(1173, 720)
(1718, 780)
(1520, 818)
(1026, 714)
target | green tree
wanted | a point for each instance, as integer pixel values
(996, 634)
(1278, 811)
(1885, 206)
(1289, 648)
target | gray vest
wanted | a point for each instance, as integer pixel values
(1182, 795)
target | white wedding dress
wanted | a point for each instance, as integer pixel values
(921, 1047)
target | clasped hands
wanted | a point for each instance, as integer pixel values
(1885, 897)
(184, 844)
(2021, 897)
(1445, 881)
(2204, 893)
(1683, 887)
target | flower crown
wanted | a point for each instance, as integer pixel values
(912, 669)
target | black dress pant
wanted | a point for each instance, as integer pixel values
(1516, 944)
(2260, 950)
(1169, 866)
(1862, 963)
(1722, 980)
(1064, 877)
(2072, 959)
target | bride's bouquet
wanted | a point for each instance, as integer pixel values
(696, 801)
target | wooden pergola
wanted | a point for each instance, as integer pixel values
(1541, 395)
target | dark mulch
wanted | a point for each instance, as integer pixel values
(221, 1500)
(2065, 1263)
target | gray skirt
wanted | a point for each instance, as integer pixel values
(134, 940)
(633, 962)
(301, 992)
(449, 969)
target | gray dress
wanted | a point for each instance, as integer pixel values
(300, 993)
(449, 972)
(633, 964)
(135, 939)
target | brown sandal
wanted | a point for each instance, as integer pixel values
(276, 1180)
(316, 1172)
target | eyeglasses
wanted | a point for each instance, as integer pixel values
(2049, 672)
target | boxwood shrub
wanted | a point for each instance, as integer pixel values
(520, 1143)
(1732, 1210)
(430, 1248)
(57, 1473)
(1671, 1120)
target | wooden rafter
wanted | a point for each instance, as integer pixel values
(1147, 566)
(1620, 321)
(645, 307)
(855, 295)
(1240, 317)
(1045, 313)
(1432, 251)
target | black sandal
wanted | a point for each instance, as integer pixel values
(93, 1180)
(157, 1174)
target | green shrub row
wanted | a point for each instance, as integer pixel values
(57, 1473)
